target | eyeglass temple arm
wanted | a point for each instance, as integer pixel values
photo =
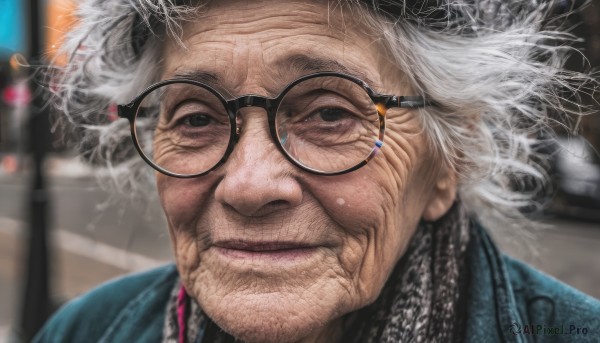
(125, 111)
(412, 102)
(405, 101)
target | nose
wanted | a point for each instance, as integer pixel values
(257, 180)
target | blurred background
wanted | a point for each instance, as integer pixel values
(61, 234)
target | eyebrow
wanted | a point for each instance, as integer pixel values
(303, 64)
(299, 64)
(210, 78)
(198, 75)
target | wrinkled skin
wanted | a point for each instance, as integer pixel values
(358, 225)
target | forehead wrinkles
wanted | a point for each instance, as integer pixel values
(253, 34)
(222, 20)
(246, 11)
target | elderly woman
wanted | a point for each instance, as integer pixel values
(326, 168)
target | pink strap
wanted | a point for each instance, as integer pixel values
(182, 301)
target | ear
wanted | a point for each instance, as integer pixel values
(442, 196)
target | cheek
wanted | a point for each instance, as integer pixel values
(183, 203)
(352, 200)
(364, 205)
(183, 199)
(379, 207)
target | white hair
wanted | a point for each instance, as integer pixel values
(494, 68)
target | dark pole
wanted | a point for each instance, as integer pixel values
(36, 297)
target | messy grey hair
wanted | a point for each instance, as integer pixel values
(494, 68)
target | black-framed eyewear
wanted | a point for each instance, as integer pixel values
(350, 123)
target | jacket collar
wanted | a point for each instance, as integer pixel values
(491, 306)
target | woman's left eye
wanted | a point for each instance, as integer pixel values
(197, 120)
(329, 114)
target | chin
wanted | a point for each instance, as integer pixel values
(268, 317)
(259, 305)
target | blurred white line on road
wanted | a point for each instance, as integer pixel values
(7, 335)
(86, 247)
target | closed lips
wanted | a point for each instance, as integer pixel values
(262, 246)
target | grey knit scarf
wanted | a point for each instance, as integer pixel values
(422, 301)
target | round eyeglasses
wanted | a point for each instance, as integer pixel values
(326, 123)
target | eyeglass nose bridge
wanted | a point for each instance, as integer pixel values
(251, 100)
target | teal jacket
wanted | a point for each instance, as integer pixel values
(508, 302)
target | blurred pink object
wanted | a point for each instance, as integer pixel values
(9, 164)
(17, 95)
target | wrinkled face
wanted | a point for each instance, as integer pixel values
(271, 252)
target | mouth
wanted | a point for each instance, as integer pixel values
(272, 251)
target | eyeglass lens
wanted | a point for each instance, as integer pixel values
(327, 124)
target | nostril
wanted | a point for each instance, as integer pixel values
(277, 203)
(273, 206)
(270, 207)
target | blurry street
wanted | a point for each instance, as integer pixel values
(95, 239)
